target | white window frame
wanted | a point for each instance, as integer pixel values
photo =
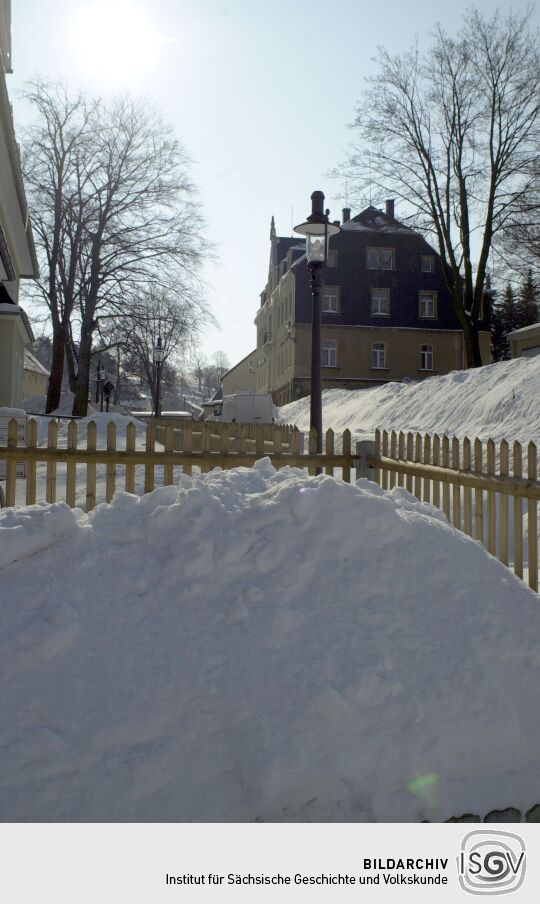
(426, 357)
(378, 252)
(333, 293)
(329, 353)
(378, 349)
(379, 313)
(332, 259)
(431, 267)
(422, 300)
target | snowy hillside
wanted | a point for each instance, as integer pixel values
(261, 646)
(500, 400)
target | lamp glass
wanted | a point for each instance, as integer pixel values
(315, 250)
(158, 355)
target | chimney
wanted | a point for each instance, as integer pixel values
(390, 208)
(346, 214)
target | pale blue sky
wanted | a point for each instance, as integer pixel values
(238, 80)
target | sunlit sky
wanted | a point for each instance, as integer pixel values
(260, 93)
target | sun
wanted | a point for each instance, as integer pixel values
(114, 39)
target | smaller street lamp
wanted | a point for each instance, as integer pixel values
(158, 363)
(104, 376)
(317, 230)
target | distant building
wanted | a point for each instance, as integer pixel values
(35, 376)
(17, 253)
(241, 377)
(387, 313)
(525, 342)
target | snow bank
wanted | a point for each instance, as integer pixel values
(261, 645)
(499, 400)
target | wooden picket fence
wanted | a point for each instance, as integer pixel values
(481, 491)
(194, 445)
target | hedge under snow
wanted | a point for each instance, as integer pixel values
(261, 645)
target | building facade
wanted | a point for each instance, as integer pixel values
(525, 342)
(386, 312)
(242, 377)
(17, 253)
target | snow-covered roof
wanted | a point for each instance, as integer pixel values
(532, 330)
(32, 363)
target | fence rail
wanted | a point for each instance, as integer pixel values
(192, 446)
(483, 492)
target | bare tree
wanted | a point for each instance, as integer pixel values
(158, 314)
(55, 149)
(128, 217)
(454, 134)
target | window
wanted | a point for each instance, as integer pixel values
(426, 357)
(330, 301)
(427, 263)
(332, 260)
(380, 302)
(329, 355)
(427, 304)
(378, 355)
(380, 259)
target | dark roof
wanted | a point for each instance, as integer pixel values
(284, 244)
(372, 219)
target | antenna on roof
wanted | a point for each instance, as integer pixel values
(346, 193)
(292, 219)
(370, 185)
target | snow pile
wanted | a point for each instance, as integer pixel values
(499, 400)
(262, 645)
(36, 404)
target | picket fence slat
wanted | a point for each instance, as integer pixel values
(131, 437)
(478, 494)
(31, 442)
(518, 513)
(110, 485)
(91, 443)
(71, 467)
(52, 443)
(456, 490)
(446, 464)
(410, 457)
(504, 468)
(532, 521)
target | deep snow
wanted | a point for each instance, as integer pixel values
(499, 400)
(261, 645)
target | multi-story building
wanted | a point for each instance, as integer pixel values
(17, 253)
(386, 312)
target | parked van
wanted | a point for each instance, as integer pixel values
(245, 408)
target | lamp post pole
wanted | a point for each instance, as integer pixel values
(317, 231)
(315, 411)
(98, 379)
(158, 358)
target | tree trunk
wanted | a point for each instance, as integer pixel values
(471, 337)
(54, 390)
(70, 360)
(82, 388)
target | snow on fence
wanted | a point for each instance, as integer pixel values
(479, 491)
(69, 471)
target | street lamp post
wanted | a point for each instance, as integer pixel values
(317, 230)
(104, 376)
(98, 380)
(158, 362)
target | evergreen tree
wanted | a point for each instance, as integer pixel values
(503, 321)
(527, 302)
(500, 348)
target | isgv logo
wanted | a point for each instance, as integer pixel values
(491, 863)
